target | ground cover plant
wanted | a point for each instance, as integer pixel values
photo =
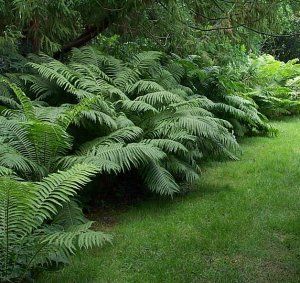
(105, 104)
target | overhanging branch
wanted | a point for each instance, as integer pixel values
(89, 33)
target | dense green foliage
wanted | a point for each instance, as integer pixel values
(277, 86)
(240, 225)
(26, 241)
(273, 85)
(138, 113)
(159, 115)
(181, 26)
(130, 107)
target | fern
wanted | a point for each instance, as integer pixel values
(135, 106)
(33, 147)
(24, 207)
(139, 111)
(130, 156)
(159, 180)
(160, 99)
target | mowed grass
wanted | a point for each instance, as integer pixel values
(242, 224)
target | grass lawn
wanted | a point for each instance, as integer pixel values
(242, 224)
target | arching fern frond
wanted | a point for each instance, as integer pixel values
(159, 180)
(160, 98)
(123, 135)
(145, 86)
(135, 106)
(126, 157)
(167, 145)
(144, 60)
(24, 100)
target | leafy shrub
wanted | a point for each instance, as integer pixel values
(273, 85)
(227, 93)
(276, 86)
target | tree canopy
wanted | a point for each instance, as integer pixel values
(55, 27)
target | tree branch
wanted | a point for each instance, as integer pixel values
(89, 33)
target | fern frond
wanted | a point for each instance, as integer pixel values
(14, 221)
(123, 135)
(96, 117)
(130, 156)
(51, 141)
(176, 69)
(5, 171)
(14, 160)
(57, 72)
(123, 121)
(167, 145)
(160, 98)
(56, 189)
(76, 237)
(159, 180)
(17, 137)
(125, 78)
(144, 60)
(145, 86)
(93, 72)
(24, 100)
(135, 106)
(182, 169)
(69, 214)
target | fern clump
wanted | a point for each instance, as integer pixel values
(269, 85)
(31, 232)
(226, 89)
(142, 116)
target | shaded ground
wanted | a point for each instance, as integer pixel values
(241, 225)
